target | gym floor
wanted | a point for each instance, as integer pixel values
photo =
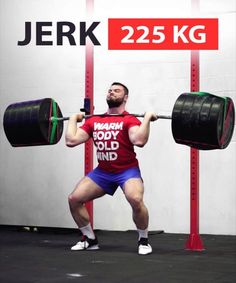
(45, 256)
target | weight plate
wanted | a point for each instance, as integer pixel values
(228, 123)
(27, 123)
(197, 120)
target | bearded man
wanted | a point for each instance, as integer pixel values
(115, 137)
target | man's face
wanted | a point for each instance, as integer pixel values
(116, 96)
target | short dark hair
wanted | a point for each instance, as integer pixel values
(125, 87)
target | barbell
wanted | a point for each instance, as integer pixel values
(200, 120)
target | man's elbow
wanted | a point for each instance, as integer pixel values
(140, 143)
(71, 142)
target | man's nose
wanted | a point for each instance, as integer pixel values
(111, 91)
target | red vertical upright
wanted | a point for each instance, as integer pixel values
(89, 77)
(194, 242)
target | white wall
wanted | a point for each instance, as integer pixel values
(218, 75)
(35, 181)
(156, 78)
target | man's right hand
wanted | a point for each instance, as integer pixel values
(77, 117)
(151, 116)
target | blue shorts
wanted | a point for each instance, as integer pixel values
(109, 182)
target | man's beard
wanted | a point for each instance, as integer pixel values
(112, 103)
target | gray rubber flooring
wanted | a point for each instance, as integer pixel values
(45, 256)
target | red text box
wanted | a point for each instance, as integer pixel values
(163, 34)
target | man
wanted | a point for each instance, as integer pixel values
(115, 138)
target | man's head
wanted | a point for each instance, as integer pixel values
(117, 95)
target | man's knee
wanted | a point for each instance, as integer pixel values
(74, 200)
(136, 202)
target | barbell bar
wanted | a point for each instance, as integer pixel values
(200, 120)
(110, 115)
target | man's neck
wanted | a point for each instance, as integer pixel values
(116, 110)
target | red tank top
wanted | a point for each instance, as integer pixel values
(115, 152)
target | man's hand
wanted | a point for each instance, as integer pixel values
(151, 116)
(74, 135)
(77, 117)
(139, 135)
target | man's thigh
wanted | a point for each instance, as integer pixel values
(87, 190)
(133, 188)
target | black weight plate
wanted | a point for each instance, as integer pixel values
(185, 115)
(196, 136)
(212, 125)
(46, 113)
(197, 120)
(177, 118)
(27, 123)
(228, 123)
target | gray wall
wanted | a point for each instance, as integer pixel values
(35, 181)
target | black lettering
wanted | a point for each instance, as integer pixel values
(40, 32)
(89, 32)
(68, 34)
(64, 29)
(27, 35)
